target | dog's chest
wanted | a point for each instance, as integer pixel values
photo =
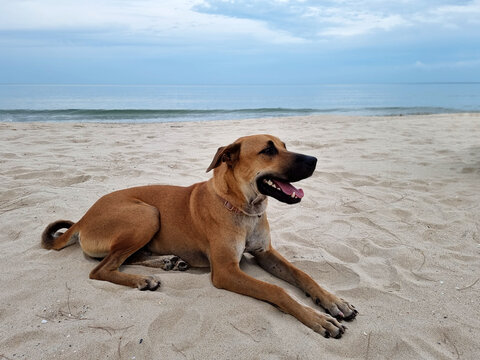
(257, 240)
(255, 244)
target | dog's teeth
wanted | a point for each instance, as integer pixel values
(271, 183)
(293, 195)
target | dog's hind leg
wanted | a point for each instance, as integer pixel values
(133, 228)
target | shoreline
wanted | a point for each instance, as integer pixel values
(390, 222)
(322, 117)
(147, 116)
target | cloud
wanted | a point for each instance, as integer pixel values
(311, 21)
(450, 16)
(360, 23)
(140, 21)
(190, 22)
(458, 64)
(347, 18)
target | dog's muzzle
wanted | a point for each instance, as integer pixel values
(279, 186)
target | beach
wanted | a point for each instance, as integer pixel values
(390, 222)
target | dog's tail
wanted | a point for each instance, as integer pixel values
(52, 239)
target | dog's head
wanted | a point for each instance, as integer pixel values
(258, 166)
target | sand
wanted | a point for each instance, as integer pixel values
(390, 222)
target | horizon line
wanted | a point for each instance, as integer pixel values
(249, 84)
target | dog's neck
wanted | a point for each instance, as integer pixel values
(254, 208)
(234, 199)
(258, 205)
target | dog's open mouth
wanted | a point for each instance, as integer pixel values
(279, 189)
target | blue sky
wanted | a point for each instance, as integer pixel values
(238, 42)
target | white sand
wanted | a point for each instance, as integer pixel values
(390, 222)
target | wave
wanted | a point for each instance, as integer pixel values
(148, 115)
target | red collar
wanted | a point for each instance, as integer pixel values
(231, 208)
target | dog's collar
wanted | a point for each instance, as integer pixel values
(229, 206)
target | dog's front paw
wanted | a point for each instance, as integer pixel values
(148, 283)
(339, 308)
(326, 325)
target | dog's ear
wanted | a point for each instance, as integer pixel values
(228, 154)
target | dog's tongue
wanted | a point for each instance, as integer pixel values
(288, 188)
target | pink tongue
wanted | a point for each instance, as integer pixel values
(289, 188)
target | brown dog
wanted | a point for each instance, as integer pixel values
(210, 223)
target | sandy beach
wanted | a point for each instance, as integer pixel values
(390, 221)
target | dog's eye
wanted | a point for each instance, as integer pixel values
(270, 151)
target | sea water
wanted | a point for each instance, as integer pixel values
(160, 103)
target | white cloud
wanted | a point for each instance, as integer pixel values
(420, 65)
(145, 20)
(457, 64)
(346, 24)
(248, 21)
(450, 16)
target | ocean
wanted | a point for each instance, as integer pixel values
(161, 103)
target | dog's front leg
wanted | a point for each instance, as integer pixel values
(276, 264)
(228, 275)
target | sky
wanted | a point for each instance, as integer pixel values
(238, 42)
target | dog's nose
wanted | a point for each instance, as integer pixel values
(302, 167)
(311, 161)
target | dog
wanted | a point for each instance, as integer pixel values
(208, 224)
